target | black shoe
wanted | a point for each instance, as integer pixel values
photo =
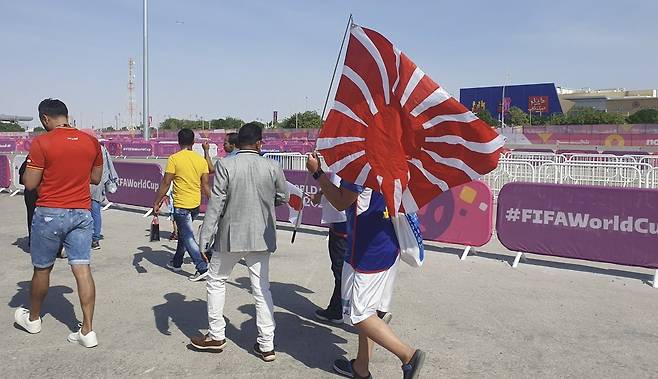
(385, 316)
(95, 245)
(412, 369)
(344, 367)
(267, 356)
(325, 315)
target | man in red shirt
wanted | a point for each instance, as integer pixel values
(61, 164)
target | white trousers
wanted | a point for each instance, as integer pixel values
(219, 271)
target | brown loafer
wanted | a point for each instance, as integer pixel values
(267, 356)
(206, 343)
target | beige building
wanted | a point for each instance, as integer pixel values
(625, 102)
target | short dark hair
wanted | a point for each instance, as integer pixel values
(232, 138)
(249, 134)
(53, 108)
(186, 137)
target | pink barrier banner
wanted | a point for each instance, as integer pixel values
(603, 224)
(137, 149)
(5, 172)
(114, 148)
(312, 214)
(7, 146)
(463, 215)
(166, 149)
(138, 183)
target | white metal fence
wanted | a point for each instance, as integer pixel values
(293, 161)
(632, 171)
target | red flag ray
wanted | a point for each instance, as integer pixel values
(395, 130)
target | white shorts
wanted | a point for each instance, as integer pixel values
(364, 294)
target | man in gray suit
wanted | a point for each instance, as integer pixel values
(246, 189)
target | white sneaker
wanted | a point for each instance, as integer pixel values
(88, 340)
(22, 318)
(198, 276)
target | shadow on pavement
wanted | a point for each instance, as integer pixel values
(313, 345)
(155, 257)
(310, 343)
(55, 304)
(646, 278)
(23, 243)
(187, 315)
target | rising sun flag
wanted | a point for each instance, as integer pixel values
(393, 129)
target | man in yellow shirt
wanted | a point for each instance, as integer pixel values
(189, 173)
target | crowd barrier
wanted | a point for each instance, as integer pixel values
(16, 164)
(7, 146)
(462, 216)
(633, 171)
(138, 184)
(5, 173)
(601, 224)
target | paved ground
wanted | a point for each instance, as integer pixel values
(477, 319)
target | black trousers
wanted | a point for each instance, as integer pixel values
(30, 198)
(337, 247)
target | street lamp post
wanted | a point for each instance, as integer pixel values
(145, 90)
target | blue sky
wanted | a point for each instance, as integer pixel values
(246, 58)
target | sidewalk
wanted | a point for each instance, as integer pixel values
(477, 318)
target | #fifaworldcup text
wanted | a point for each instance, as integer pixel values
(615, 223)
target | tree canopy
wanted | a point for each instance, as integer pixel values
(644, 116)
(306, 120)
(10, 127)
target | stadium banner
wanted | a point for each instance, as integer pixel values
(463, 216)
(137, 149)
(7, 146)
(603, 224)
(5, 172)
(138, 183)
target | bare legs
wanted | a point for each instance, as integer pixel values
(39, 290)
(374, 329)
(87, 294)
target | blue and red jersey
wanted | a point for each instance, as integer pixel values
(372, 245)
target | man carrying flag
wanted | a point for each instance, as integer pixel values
(397, 139)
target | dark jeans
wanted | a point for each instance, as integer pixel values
(186, 242)
(337, 247)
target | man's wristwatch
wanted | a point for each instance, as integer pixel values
(318, 174)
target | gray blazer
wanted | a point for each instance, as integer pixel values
(245, 191)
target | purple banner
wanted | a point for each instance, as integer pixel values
(7, 146)
(138, 183)
(166, 149)
(312, 214)
(136, 149)
(463, 215)
(615, 225)
(5, 172)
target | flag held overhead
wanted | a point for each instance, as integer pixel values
(393, 129)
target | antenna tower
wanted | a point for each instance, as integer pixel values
(131, 93)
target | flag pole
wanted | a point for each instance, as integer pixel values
(324, 110)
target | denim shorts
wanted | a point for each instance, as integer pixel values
(53, 228)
